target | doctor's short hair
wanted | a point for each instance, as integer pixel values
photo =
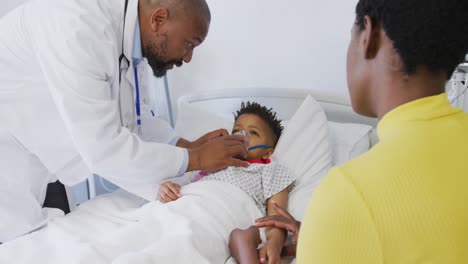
(266, 114)
(184, 8)
(429, 33)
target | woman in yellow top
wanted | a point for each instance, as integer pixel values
(406, 200)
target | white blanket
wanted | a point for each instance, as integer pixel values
(193, 229)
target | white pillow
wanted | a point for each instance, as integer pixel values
(304, 147)
(348, 140)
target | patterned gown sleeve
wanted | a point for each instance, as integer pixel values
(276, 178)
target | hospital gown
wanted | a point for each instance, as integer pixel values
(259, 181)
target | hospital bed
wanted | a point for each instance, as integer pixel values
(350, 136)
(351, 133)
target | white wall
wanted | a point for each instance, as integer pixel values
(271, 43)
(267, 43)
(8, 5)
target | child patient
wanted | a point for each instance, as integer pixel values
(265, 182)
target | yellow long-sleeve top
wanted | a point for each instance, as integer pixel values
(405, 201)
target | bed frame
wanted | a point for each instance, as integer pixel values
(284, 101)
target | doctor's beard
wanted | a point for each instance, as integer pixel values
(156, 59)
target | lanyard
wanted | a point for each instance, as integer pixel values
(137, 89)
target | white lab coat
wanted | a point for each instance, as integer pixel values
(60, 112)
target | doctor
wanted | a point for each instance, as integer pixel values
(73, 100)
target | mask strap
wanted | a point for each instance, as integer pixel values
(258, 147)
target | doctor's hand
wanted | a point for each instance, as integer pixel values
(208, 136)
(183, 143)
(168, 192)
(218, 153)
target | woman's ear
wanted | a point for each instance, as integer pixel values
(268, 153)
(370, 38)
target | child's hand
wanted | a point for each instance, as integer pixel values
(168, 192)
(271, 252)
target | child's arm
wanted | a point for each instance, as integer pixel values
(275, 236)
(280, 199)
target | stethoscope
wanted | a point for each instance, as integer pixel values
(137, 86)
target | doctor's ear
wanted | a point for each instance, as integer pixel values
(158, 18)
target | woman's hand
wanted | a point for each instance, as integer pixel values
(284, 221)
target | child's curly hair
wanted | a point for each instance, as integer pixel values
(264, 113)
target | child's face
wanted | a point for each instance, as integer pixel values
(260, 134)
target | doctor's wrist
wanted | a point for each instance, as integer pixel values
(194, 160)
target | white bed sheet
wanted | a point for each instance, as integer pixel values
(114, 229)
